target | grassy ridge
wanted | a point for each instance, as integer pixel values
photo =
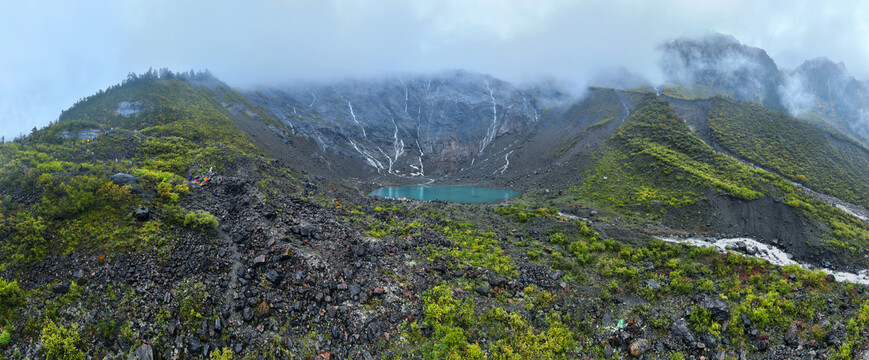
(796, 149)
(57, 194)
(654, 161)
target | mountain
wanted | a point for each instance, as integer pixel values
(822, 89)
(818, 90)
(720, 64)
(414, 127)
(172, 216)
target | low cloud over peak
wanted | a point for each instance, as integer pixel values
(59, 55)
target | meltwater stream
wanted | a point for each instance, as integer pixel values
(766, 252)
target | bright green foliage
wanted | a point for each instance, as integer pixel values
(557, 238)
(191, 297)
(522, 341)
(200, 219)
(222, 354)
(479, 249)
(61, 343)
(522, 215)
(450, 319)
(701, 321)
(5, 336)
(796, 149)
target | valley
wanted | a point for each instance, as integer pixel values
(116, 245)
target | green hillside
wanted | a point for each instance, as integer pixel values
(801, 151)
(61, 198)
(654, 163)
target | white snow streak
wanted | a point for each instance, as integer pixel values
(369, 158)
(492, 130)
(507, 159)
(356, 121)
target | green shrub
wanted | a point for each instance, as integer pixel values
(61, 343)
(222, 354)
(10, 296)
(200, 219)
(557, 238)
(5, 336)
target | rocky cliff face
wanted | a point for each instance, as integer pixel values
(722, 64)
(409, 127)
(820, 87)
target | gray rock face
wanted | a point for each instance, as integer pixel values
(128, 109)
(407, 127)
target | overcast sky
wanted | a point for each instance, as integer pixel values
(56, 52)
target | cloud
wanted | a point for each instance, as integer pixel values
(58, 51)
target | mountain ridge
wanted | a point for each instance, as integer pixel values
(173, 216)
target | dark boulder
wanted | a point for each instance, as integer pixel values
(61, 288)
(792, 337)
(142, 213)
(122, 179)
(716, 306)
(144, 352)
(680, 330)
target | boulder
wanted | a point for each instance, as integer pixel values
(716, 306)
(122, 179)
(792, 337)
(142, 213)
(61, 288)
(680, 330)
(144, 352)
(639, 347)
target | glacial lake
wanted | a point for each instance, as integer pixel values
(461, 194)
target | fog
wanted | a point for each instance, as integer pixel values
(59, 51)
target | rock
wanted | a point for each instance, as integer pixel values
(218, 325)
(273, 276)
(247, 314)
(709, 340)
(792, 337)
(263, 309)
(716, 306)
(144, 352)
(680, 330)
(259, 260)
(639, 347)
(61, 288)
(194, 346)
(122, 179)
(355, 289)
(745, 320)
(653, 284)
(142, 213)
(555, 275)
(592, 213)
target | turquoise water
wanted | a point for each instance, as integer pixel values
(462, 194)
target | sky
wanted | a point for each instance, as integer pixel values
(58, 51)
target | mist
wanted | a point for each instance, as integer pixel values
(54, 57)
